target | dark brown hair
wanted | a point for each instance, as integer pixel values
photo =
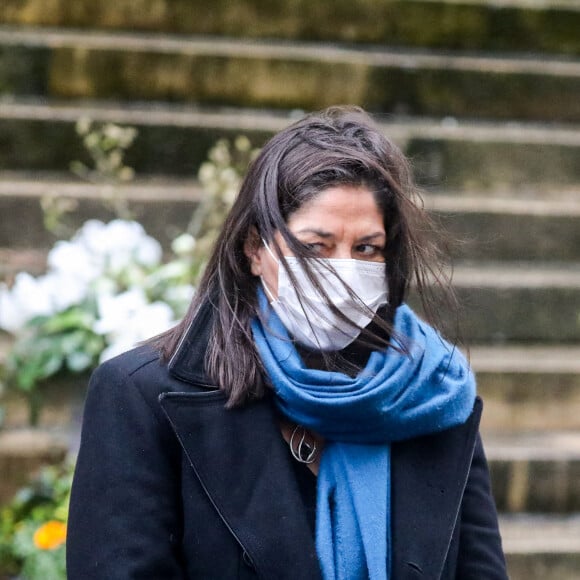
(337, 146)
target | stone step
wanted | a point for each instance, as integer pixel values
(62, 63)
(515, 25)
(163, 205)
(511, 196)
(518, 302)
(541, 547)
(61, 405)
(13, 261)
(174, 139)
(483, 227)
(24, 452)
(527, 388)
(535, 472)
(488, 228)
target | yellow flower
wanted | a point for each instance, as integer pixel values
(50, 535)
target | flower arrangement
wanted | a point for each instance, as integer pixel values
(105, 290)
(108, 287)
(33, 527)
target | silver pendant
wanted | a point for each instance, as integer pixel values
(302, 450)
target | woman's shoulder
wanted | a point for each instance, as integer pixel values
(139, 360)
(139, 374)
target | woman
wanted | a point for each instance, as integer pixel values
(301, 422)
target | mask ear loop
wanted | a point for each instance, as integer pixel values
(267, 246)
(265, 286)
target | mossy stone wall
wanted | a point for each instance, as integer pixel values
(551, 26)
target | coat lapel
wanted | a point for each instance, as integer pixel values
(428, 478)
(243, 465)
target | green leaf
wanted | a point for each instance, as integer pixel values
(79, 361)
(27, 377)
(94, 344)
(73, 318)
(72, 341)
(39, 365)
(52, 364)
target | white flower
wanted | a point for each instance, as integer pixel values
(124, 235)
(183, 244)
(104, 286)
(115, 158)
(113, 132)
(242, 143)
(74, 260)
(83, 125)
(230, 176)
(149, 252)
(123, 136)
(91, 140)
(117, 244)
(220, 153)
(180, 296)
(26, 300)
(230, 194)
(177, 269)
(207, 172)
(99, 261)
(115, 311)
(140, 323)
(65, 290)
(12, 318)
(115, 349)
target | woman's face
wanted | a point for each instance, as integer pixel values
(341, 222)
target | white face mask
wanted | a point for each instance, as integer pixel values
(312, 322)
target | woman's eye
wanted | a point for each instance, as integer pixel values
(316, 247)
(369, 250)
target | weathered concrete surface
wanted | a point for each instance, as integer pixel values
(484, 228)
(164, 211)
(542, 547)
(175, 140)
(479, 228)
(13, 261)
(23, 452)
(507, 303)
(62, 403)
(528, 388)
(535, 472)
(475, 25)
(91, 65)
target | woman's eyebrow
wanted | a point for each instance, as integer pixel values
(323, 234)
(320, 233)
(372, 236)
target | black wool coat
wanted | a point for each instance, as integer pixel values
(170, 485)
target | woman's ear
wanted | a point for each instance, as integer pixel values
(252, 249)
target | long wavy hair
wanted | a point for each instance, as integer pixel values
(337, 146)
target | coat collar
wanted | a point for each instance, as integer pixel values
(187, 363)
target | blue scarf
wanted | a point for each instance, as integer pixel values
(395, 397)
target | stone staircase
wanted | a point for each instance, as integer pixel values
(484, 96)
